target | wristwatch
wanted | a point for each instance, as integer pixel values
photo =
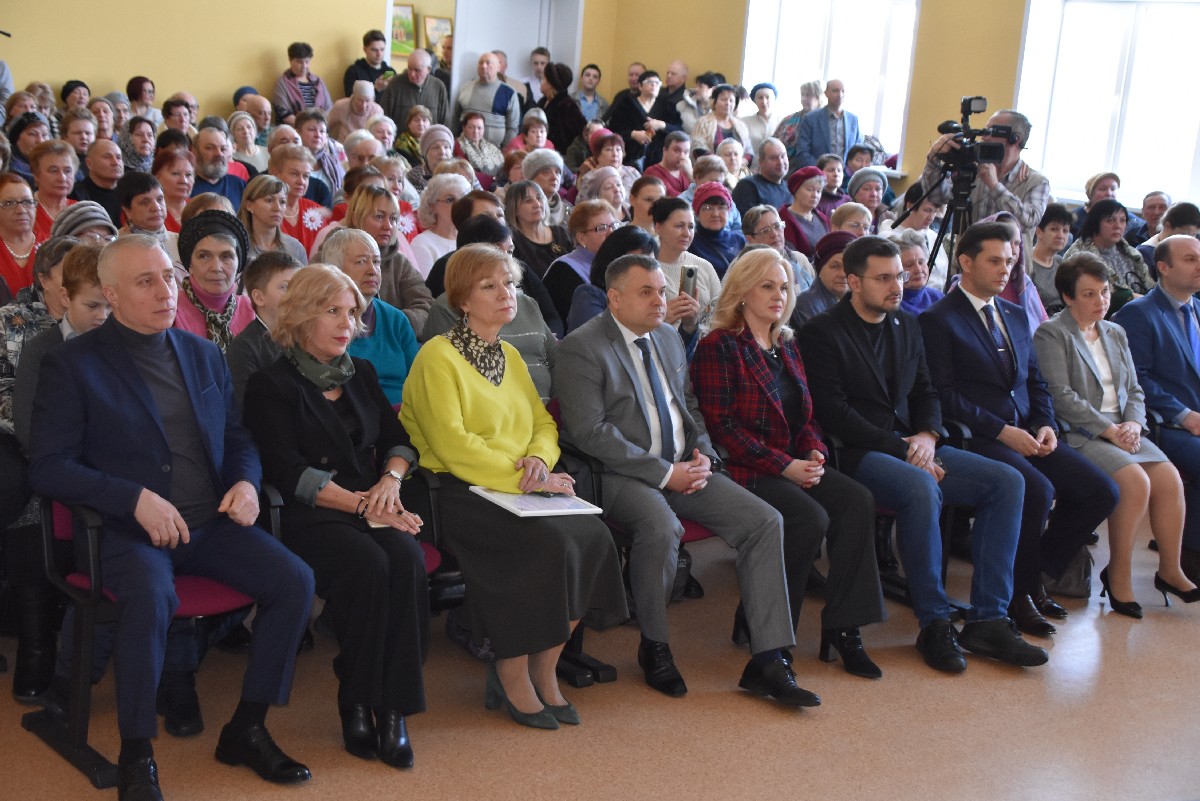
(399, 478)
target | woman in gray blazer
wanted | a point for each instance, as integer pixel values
(1087, 364)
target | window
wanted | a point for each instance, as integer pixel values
(791, 42)
(1105, 84)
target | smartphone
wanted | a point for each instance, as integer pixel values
(687, 283)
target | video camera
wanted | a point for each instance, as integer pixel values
(973, 152)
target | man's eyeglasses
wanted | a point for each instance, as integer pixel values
(766, 229)
(890, 278)
(25, 203)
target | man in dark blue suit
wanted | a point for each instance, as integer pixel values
(829, 129)
(982, 362)
(138, 420)
(1164, 341)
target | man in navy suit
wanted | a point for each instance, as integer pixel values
(1162, 330)
(982, 362)
(138, 420)
(829, 129)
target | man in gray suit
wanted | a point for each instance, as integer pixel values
(621, 381)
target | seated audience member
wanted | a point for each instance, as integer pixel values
(475, 148)
(920, 219)
(564, 120)
(590, 299)
(313, 128)
(697, 102)
(721, 122)
(263, 205)
(689, 310)
(1154, 206)
(1019, 288)
(604, 183)
(79, 131)
(212, 248)
(386, 338)
(373, 209)
(395, 171)
(768, 186)
(804, 225)
(140, 90)
(592, 104)
(212, 150)
(867, 186)
(592, 221)
(533, 133)
(881, 404)
(302, 218)
(496, 433)
(342, 514)
(537, 243)
(93, 444)
(137, 143)
(675, 169)
(858, 157)
(17, 214)
(580, 150)
(177, 117)
(175, 169)
(608, 150)
(646, 191)
(264, 280)
(105, 166)
(437, 145)
(982, 362)
(243, 134)
(416, 123)
(1051, 236)
(762, 122)
(145, 210)
(438, 238)
(715, 241)
(24, 133)
(80, 306)
(477, 202)
(545, 168)
(830, 285)
(658, 466)
(361, 149)
(1182, 218)
(1093, 380)
(87, 221)
(1168, 364)
(261, 110)
(383, 129)
(528, 331)
(105, 113)
(372, 69)
(852, 217)
(298, 89)
(750, 385)
(355, 178)
(1103, 234)
(352, 112)
(1102, 186)
(762, 226)
(734, 155)
(53, 164)
(709, 169)
(832, 194)
(919, 293)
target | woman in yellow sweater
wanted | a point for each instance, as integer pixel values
(476, 418)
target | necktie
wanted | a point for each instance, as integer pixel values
(1006, 360)
(666, 429)
(1189, 325)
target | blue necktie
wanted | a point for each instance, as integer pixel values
(1006, 360)
(1189, 326)
(666, 429)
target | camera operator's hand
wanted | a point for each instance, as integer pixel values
(987, 174)
(943, 144)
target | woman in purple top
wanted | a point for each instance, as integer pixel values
(591, 222)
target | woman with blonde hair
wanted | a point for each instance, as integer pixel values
(263, 204)
(750, 383)
(373, 210)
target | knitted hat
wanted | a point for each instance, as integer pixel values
(600, 137)
(238, 116)
(831, 245)
(558, 76)
(116, 97)
(79, 217)
(435, 133)
(18, 125)
(363, 89)
(71, 86)
(534, 113)
(764, 85)
(1090, 184)
(802, 175)
(242, 92)
(540, 159)
(208, 223)
(866, 175)
(590, 183)
(709, 191)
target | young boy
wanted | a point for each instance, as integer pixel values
(832, 195)
(264, 280)
(1050, 238)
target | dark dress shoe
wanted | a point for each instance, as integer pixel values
(693, 590)
(1028, 619)
(998, 639)
(661, 674)
(1047, 605)
(395, 749)
(358, 731)
(138, 781)
(848, 644)
(938, 645)
(178, 704)
(778, 681)
(253, 747)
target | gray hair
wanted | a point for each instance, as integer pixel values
(333, 249)
(905, 238)
(770, 140)
(438, 184)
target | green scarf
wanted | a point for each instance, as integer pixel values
(324, 376)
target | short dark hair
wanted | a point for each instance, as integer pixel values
(970, 243)
(135, 87)
(540, 51)
(854, 257)
(620, 266)
(373, 35)
(172, 103)
(828, 159)
(1080, 264)
(856, 149)
(664, 207)
(482, 228)
(213, 121)
(172, 138)
(676, 136)
(587, 67)
(309, 115)
(460, 212)
(913, 194)
(356, 176)
(266, 266)
(135, 121)
(1100, 211)
(647, 75)
(134, 183)
(1055, 213)
(710, 79)
(621, 242)
(300, 50)
(1182, 214)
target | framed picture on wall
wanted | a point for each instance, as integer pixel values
(404, 29)
(436, 29)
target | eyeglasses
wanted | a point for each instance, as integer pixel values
(857, 226)
(890, 278)
(766, 229)
(714, 207)
(25, 203)
(599, 229)
(449, 200)
(96, 236)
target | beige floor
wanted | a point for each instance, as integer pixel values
(1113, 716)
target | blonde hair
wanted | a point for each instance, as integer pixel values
(282, 154)
(744, 273)
(309, 293)
(260, 186)
(467, 267)
(846, 210)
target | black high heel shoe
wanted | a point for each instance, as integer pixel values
(1128, 608)
(358, 731)
(395, 748)
(848, 644)
(1187, 596)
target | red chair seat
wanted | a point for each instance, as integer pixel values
(693, 531)
(433, 557)
(198, 596)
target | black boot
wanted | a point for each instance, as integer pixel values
(37, 616)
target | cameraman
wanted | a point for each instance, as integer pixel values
(1012, 185)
